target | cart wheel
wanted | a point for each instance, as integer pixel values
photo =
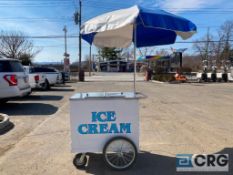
(80, 160)
(120, 153)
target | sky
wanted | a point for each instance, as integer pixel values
(40, 18)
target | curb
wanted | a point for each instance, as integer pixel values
(159, 82)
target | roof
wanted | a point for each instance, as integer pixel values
(110, 61)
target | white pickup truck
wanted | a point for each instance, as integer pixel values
(36, 80)
(53, 76)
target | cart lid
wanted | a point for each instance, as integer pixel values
(86, 95)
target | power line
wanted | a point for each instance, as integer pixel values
(35, 3)
(49, 36)
(133, 3)
(77, 36)
(196, 12)
(203, 41)
(117, 5)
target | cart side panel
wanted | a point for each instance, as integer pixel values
(83, 118)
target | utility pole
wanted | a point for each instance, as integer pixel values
(78, 21)
(90, 62)
(66, 55)
(208, 43)
(65, 31)
(80, 41)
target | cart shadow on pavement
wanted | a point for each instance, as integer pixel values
(62, 85)
(40, 98)
(16, 109)
(113, 81)
(61, 89)
(7, 128)
(149, 164)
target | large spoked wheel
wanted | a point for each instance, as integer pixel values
(80, 161)
(120, 153)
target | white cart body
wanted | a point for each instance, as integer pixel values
(97, 117)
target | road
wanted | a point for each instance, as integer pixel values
(174, 118)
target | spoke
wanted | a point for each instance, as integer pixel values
(120, 162)
(120, 154)
(128, 159)
(128, 155)
(113, 159)
(124, 160)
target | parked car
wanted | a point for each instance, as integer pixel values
(66, 76)
(59, 79)
(36, 80)
(53, 76)
(13, 80)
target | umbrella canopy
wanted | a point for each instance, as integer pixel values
(152, 27)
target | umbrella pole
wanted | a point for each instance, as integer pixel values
(135, 64)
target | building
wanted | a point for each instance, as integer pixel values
(115, 66)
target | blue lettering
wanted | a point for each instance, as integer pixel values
(103, 128)
(111, 116)
(125, 128)
(83, 129)
(102, 116)
(113, 129)
(92, 129)
(94, 117)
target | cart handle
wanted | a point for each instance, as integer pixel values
(127, 95)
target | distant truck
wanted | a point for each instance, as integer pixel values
(36, 80)
(53, 76)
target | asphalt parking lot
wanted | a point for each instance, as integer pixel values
(174, 119)
(28, 112)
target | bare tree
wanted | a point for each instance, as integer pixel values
(192, 61)
(162, 52)
(220, 48)
(145, 51)
(204, 46)
(226, 34)
(16, 45)
(127, 53)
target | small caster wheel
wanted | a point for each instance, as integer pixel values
(120, 153)
(80, 160)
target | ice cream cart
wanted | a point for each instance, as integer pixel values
(108, 123)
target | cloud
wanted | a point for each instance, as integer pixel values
(184, 5)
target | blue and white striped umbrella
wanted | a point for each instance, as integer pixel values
(152, 28)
